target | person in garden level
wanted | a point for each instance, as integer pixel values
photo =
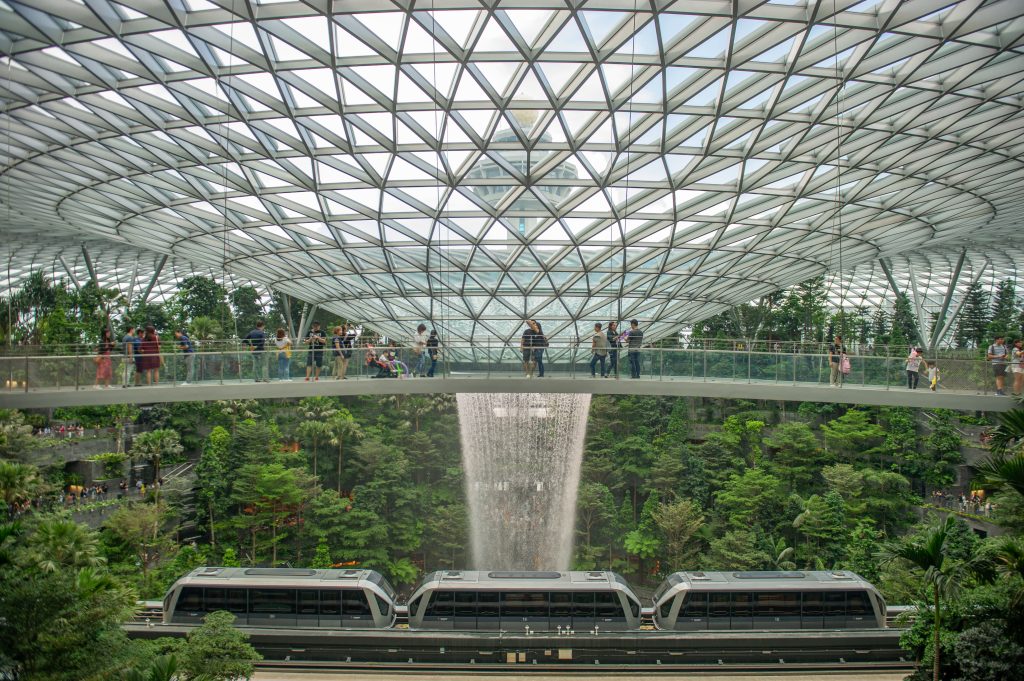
(419, 349)
(434, 350)
(316, 341)
(836, 354)
(996, 354)
(914, 368)
(614, 343)
(256, 340)
(284, 355)
(634, 340)
(599, 350)
(188, 348)
(104, 366)
(1017, 367)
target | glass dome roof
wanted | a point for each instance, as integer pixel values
(471, 163)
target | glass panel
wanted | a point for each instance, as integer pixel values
(608, 604)
(216, 599)
(383, 606)
(487, 603)
(583, 604)
(719, 604)
(465, 603)
(273, 600)
(524, 604)
(309, 602)
(696, 605)
(814, 604)
(191, 599)
(778, 604)
(353, 602)
(330, 602)
(561, 604)
(742, 603)
(858, 605)
(835, 604)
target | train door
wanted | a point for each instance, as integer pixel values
(272, 608)
(583, 610)
(561, 610)
(440, 613)
(355, 609)
(859, 613)
(693, 615)
(307, 613)
(488, 610)
(812, 613)
(465, 610)
(719, 610)
(330, 608)
(609, 613)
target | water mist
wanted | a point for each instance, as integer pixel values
(522, 455)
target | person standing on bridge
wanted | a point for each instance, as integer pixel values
(104, 366)
(128, 347)
(434, 350)
(338, 340)
(189, 350)
(635, 340)
(419, 349)
(913, 368)
(614, 343)
(540, 342)
(1017, 366)
(257, 341)
(284, 355)
(996, 354)
(836, 351)
(151, 359)
(316, 340)
(598, 349)
(526, 346)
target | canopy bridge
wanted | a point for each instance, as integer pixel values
(28, 382)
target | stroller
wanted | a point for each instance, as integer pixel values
(386, 364)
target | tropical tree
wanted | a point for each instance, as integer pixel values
(315, 433)
(238, 410)
(1008, 555)
(15, 434)
(928, 555)
(344, 430)
(155, 446)
(19, 482)
(217, 651)
(60, 543)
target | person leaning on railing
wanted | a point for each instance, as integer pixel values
(256, 340)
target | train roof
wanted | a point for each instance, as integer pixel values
(764, 580)
(294, 577)
(523, 580)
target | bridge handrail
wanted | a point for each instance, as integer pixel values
(27, 373)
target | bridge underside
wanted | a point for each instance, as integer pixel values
(480, 383)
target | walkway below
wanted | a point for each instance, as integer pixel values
(553, 382)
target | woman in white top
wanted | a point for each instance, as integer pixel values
(419, 349)
(913, 368)
(284, 355)
(1017, 366)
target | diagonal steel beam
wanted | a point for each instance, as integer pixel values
(960, 303)
(937, 330)
(896, 290)
(152, 281)
(71, 272)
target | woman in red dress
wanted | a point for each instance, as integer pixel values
(150, 351)
(104, 368)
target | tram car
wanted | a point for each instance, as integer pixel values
(698, 601)
(284, 597)
(520, 601)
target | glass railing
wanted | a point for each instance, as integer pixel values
(29, 373)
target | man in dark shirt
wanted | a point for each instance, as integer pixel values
(137, 354)
(526, 345)
(257, 340)
(185, 345)
(316, 340)
(635, 341)
(613, 350)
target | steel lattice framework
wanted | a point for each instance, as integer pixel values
(474, 162)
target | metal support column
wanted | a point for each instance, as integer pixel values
(940, 320)
(152, 281)
(896, 290)
(307, 320)
(960, 303)
(71, 272)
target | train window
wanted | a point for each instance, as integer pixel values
(330, 602)
(666, 607)
(216, 599)
(413, 605)
(696, 605)
(309, 602)
(634, 607)
(487, 603)
(441, 604)
(236, 600)
(813, 604)
(742, 604)
(561, 604)
(524, 604)
(583, 604)
(191, 599)
(465, 603)
(778, 604)
(383, 606)
(608, 605)
(858, 605)
(353, 602)
(273, 600)
(719, 604)
(835, 604)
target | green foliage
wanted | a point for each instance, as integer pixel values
(157, 446)
(15, 435)
(216, 651)
(322, 557)
(975, 315)
(852, 436)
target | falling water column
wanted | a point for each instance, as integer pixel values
(522, 456)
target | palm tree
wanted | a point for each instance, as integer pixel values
(61, 543)
(1008, 554)
(314, 432)
(929, 555)
(155, 446)
(318, 408)
(780, 556)
(237, 410)
(344, 428)
(19, 482)
(1008, 432)
(1000, 471)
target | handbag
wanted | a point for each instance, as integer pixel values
(844, 364)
